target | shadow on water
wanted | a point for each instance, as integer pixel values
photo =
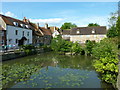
(50, 70)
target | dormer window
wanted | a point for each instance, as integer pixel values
(21, 25)
(15, 23)
(93, 31)
(26, 26)
(78, 32)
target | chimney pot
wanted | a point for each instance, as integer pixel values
(46, 25)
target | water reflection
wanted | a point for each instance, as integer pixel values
(50, 70)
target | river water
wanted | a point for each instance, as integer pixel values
(51, 70)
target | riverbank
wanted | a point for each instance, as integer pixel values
(13, 55)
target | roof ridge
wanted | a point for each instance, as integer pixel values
(14, 19)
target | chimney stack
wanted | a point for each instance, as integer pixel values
(37, 25)
(26, 20)
(54, 28)
(46, 26)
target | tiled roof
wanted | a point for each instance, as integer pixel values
(10, 21)
(38, 34)
(65, 32)
(52, 28)
(45, 31)
(89, 30)
(37, 31)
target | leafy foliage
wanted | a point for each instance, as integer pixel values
(18, 72)
(118, 30)
(112, 32)
(105, 48)
(108, 68)
(76, 48)
(68, 25)
(89, 46)
(106, 53)
(29, 49)
(112, 20)
(61, 45)
(46, 48)
(93, 24)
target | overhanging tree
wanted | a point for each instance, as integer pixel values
(68, 25)
(93, 24)
(112, 31)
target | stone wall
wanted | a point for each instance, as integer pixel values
(9, 56)
(12, 56)
(83, 38)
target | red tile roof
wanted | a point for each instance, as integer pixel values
(52, 28)
(45, 31)
(10, 20)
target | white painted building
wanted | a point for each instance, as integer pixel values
(18, 32)
(55, 33)
(14, 34)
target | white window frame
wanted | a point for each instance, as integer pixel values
(26, 26)
(21, 25)
(15, 23)
(78, 32)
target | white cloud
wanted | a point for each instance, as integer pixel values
(51, 21)
(1, 12)
(84, 21)
(10, 14)
(79, 21)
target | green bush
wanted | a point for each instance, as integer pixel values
(106, 53)
(105, 48)
(89, 46)
(60, 45)
(76, 47)
(108, 68)
(29, 49)
(46, 48)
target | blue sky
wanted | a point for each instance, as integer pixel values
(56, 13)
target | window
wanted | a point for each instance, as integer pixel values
(9, 40)
(78, 32)
(28, 40)
(16, 41)
(2, 41)
(16, 32)
(26, 26)
(28, 34)
(15, 23)
(2, 33)
(23, 33)
(21, 25)
(93, 31)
